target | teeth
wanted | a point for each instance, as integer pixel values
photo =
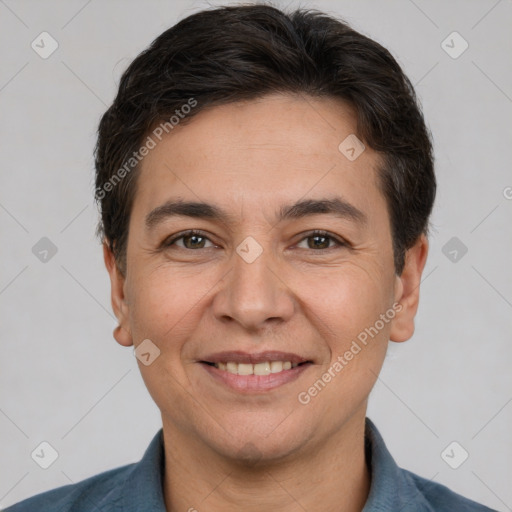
(276, 366)
(265, 368)
(261, 369)
(245, 369)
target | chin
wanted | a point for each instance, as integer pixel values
(265, 441)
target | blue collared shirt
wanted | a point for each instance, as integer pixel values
(138, 487)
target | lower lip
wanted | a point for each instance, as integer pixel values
(255, 383)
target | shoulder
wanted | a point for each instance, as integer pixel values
(442, 499)
(394, 488)
(98, 492)
(136, 486)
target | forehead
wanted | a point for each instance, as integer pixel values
(276, 149)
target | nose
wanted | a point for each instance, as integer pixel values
(253, 294)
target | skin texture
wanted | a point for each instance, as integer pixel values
(227, 450)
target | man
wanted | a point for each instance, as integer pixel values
(265, 182)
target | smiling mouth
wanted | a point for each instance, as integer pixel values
(264, 368)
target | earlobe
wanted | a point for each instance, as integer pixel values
(407, 291)
(122, 336)
(122, 332)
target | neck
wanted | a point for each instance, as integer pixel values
(330, 477)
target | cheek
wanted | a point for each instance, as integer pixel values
(163, 304)
(347, 314)
(346, 301)
(162, 310)
(348, 317)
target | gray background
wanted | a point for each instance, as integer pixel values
(64, 379)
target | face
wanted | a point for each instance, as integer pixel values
(291, 261)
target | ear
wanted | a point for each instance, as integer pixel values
(122, 333)
(407, 291)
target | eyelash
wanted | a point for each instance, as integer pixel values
(316, 232)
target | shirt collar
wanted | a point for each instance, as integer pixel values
(143, 489)
(391, 489)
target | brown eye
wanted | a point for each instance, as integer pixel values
(319, 240)
(193, 241)
(190, 240)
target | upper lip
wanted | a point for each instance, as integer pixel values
(238, 356)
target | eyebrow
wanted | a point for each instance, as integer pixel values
(335, 206)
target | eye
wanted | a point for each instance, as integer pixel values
(321, 240)
(192, 239)
(196, 239)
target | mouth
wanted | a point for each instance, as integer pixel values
(257, 372)
(265, 368)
